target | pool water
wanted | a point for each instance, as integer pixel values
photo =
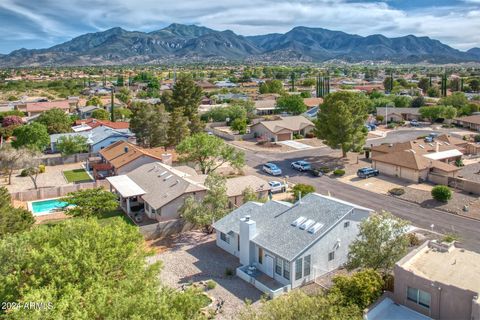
(47, 206)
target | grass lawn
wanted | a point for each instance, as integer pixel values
(77, 175)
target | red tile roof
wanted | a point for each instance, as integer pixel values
(93, 123)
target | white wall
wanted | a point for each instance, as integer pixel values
(170, 210)
(320, 250)
(229, 247)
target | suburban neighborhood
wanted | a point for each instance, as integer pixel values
(188, 173)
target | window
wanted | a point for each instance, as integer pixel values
(278, 266)
(224, 237)
(260, 255)
(298, 268)
(331, 256)
(286, 270)
(238, 243)
(306, 266)
(419, 297)
(346, 224)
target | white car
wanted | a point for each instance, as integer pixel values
(276, 186)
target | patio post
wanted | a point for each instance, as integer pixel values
(128, 206)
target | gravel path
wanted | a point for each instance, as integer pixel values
(194, 256)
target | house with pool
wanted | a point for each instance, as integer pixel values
(282, 246)
(159, 190)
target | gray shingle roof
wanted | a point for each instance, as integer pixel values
(95, 135)
(273, 222)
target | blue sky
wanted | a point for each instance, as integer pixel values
(43, 23)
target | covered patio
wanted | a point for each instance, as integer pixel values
(130, 193)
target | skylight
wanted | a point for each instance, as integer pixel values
(299, 221)
(307, 224)
(313, 229)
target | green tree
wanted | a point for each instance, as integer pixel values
(248, 194)
(186, 94)
(209, 152)
(90, 202)
(122, 114)
(387, 83)
(56, 121)
(441, 193)
(433, 92)
(292, 104)
(240, 125)
(94, 101)
(213, 207)
(418, 102)
(402, 101)
(302, 189)
(124, 95)
(32, 166)
(433, 113)
(474, 85)
(87, 270)
(381, 242)
(150, 124)
(310, 82)
(32, 136)
(13, 220)
(449, 112)
(177, 127)
(297, 304)
(101, 114)
(271, 86)
(341, 119)
(68, 145)
(424, 84)
(457, 99)
(361, 289)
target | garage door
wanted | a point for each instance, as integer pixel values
(283, 136)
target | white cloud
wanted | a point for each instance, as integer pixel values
(456, 25)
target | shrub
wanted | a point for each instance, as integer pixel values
(441, 193)
(339, 172)
(297, 136)
(309, 135)
(302, 189)
(24, 173)
(450, 237)
(396, 191)
(41, 168)
(380, 118)
(211, 284)
(459, 163)
(413, 240)
(477, 138)
(391, 126)
(228, 272)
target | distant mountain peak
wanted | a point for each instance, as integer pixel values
(187, 43)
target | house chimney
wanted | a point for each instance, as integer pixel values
(248, 230)
(167, 159)
(126, 149)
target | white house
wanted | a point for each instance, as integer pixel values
(282, 246)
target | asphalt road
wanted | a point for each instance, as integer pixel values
(467, 229)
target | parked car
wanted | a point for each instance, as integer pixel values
(301, 165)
(272, 169)
(414, 123)
(428, 139)
(367, 173)
(317, 172)
(276, 186)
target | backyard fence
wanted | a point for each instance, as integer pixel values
(164, 229)
(55, 192)
(74, 158)
(456, 183)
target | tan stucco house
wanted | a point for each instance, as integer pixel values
(282, 129)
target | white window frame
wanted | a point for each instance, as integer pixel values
(416, 300)
(307, 271)
(298, 267)
(331, 256)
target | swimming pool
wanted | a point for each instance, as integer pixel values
(42, 207)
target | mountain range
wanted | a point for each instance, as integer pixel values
(189, 43)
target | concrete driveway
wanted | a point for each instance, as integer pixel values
(295, 144)
(382, 184)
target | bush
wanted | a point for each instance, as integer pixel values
(339, 172)
(228, 272)
(297, 136)
(413, 240)
(459, 163)
(396, 191)
(309, 135)
(477, 138)
(379, 118)
(450, 237)
(24, 173)
(41, 168)
(391, 126)
(302, 189)
(441, 193)
(211, 284)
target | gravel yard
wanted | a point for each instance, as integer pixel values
(193, 256)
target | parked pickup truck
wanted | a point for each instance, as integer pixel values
(276, 186)
(367, 173)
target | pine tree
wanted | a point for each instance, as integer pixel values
(177, 127)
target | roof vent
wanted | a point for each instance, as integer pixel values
(126, 149)
(167, 177)
(299, 221)
(421, 146)
(163, 173)
(307, 224)
(430, 144)
(446, 143)
(247, 218)
(313, 229)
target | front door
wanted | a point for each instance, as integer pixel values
(269, 265)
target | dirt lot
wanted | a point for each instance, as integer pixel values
(193, 256)
(52, 177)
